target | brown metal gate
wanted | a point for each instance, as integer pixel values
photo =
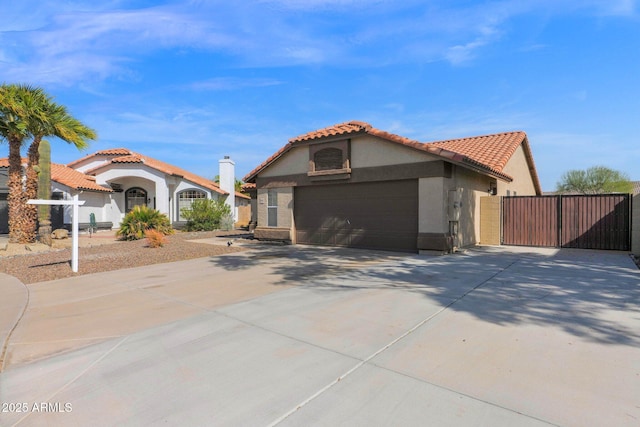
(600, 221)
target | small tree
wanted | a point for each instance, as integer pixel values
(206, 214)
(595, 180)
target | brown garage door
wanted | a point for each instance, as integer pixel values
(380, 215)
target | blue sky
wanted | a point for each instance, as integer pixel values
(189, 81)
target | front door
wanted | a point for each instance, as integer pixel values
(135, 197)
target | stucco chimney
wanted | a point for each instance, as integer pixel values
(228, 182)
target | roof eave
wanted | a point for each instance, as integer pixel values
(530, 163)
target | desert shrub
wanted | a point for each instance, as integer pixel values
(205, 214)
(155, 238)
(139, 220)
(226, 222)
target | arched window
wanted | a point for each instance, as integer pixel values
(135, 196)
(185, 198)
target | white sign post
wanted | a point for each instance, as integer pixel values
(74, 224)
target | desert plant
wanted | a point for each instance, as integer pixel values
(44, 192)
(205, 214)
(227, 222)
(155, 238)
(139, 220)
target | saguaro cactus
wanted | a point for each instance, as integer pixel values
(44, 192)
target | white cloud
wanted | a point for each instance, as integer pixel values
(232, 83)
(82, 41)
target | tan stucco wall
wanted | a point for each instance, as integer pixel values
(635, 225)
(432, 214)
(490, 220)
(369, 151)
(473, 187)
(518, 169)
(285, 207)
(295, 161)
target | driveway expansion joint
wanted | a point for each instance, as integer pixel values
(368, 359)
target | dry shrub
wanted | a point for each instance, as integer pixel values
(155, 238)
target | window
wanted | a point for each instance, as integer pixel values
(186, 198)
(328, 159)
(135, 197)
(272, 208)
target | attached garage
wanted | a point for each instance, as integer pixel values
(376, 215)
(352, 185)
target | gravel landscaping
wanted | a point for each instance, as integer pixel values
(41, 263)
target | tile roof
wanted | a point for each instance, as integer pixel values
(487, 154)
(74, 179)
(70, 177)
(105, 153)
(124, 155)
(340, 129)
(493, 151)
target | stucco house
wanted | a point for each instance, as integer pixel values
(353, 185)
(111, 182)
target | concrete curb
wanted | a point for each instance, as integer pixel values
(13, 302)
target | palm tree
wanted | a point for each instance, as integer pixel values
(54, 120)
(27, 112)
(17, 102)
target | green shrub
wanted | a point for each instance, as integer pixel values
(141, 219)
(205, 214)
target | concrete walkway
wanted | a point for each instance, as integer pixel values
(14, 297)
(310, 336)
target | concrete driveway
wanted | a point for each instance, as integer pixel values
(310, 336)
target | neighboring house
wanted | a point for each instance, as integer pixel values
(112, 182)
(357, 186)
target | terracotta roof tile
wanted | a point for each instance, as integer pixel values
(74, 179)
(489, 153)
(113, 152)
(102, 153)
(493, 151)
(335, 130)
(127, 156)
(69, 177)
(134, 158)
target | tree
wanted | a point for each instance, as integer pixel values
(52, 120)
(595, 180)
(28, 112)
(17, 102)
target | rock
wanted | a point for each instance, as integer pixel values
(36, 247)
(60, 233)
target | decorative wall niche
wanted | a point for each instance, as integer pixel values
(330, 160)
